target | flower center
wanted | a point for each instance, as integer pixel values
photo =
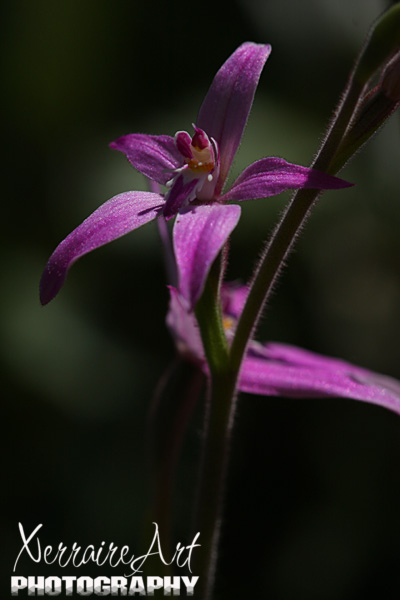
(197, 151)
(228, 323)
(202, 160)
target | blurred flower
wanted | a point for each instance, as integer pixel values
(194, 169)
(275, 369)
(373, 110)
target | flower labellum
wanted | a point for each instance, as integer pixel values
(197, 178)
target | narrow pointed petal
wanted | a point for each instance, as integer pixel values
(199, 234)
(225, 109)
(113, 219)
(178, 195)
(271, 176)
(279, 370)
(152, 155)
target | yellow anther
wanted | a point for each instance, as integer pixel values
(228, 323)
(202, 160)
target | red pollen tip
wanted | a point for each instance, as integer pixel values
(183, 142)
(200, 140)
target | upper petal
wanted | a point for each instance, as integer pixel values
(225, 109)
(280, 370)
(271, 176)
(111, 220)
(199, 234)
(153, 155)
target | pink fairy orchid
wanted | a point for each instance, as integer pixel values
(194, 169)
(276, 369)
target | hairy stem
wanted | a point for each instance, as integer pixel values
(271, 262)
(220, 409)
(295, 215)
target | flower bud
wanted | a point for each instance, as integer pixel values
(382, 43)
(390, 85)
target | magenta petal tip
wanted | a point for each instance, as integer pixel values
(270, 176)
(113, 219)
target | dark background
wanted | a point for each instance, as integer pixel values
(312, 508)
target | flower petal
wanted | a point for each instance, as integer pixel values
(113, 219)
(271, 176)
(225, 109)
(153, 155)
(280, 370)
(233, 297)
(184, 329)
(199, 234)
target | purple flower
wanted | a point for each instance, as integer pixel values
(194, 169)
(275, 369)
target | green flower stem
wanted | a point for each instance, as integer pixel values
(344, 113)
(209, 317)
(219, 416)
(221, 407)
(271, 262)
